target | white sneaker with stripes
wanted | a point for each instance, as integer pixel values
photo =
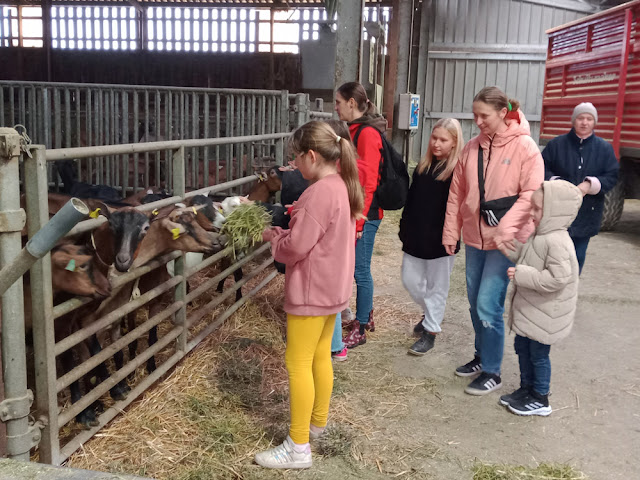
(285, 456)
(485, 383)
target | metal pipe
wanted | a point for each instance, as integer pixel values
(129, 148)
(43, 241)
(14, 364)
(234, 91)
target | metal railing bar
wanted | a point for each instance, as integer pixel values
(209, 307)
(107, 384)
(222, 275)
(91, 224)
(231, 91)
(129, 148)
(113, 316)
(230, 311)
(108, 351)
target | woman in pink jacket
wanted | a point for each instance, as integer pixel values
(489, 201)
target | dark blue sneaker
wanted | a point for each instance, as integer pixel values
(485, 383)
(470, 369)
(531, 404)
(520, 393)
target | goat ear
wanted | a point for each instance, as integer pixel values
(96, 207)
(174, 228)
(160, 213)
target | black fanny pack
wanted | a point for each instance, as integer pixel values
(492, 211)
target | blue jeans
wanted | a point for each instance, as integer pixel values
(336, 341)
(487, 283)
(364, 279)
(535, 365)
(581, 244)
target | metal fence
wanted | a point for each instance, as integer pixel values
(193, 322)
(64, 115)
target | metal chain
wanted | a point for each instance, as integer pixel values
(25, 140)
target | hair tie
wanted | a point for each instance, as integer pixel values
(509, 106)
(338, 138)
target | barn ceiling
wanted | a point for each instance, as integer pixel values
(279, 4)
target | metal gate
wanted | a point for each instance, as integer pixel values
(191, 326)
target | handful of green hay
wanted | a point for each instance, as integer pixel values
(244, 227)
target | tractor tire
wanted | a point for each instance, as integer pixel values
(613, 204)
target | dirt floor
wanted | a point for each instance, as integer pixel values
(398, 416)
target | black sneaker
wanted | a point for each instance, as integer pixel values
(531, 404)
(423, 345)
(469, 369)
(485, 383)
(419, 328)
(522, 392)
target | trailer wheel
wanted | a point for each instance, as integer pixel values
(613, 204)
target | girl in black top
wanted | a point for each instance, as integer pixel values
(426, 266)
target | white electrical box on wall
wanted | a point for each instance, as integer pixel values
(408, 111)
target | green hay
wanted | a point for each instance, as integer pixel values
(244, 227)
(544, 471)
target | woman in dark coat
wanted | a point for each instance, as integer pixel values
(588, 161)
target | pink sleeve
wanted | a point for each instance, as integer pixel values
(453, 217)
(531, 177)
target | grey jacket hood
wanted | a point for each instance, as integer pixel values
(561, 202)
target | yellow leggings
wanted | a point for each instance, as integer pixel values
(308, 360)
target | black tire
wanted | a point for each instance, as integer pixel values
(613, 204)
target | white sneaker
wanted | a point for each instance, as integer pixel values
(284, 456)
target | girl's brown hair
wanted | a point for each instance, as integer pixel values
(356, 91)
(497, 99)
(322, 139)
(447, 166)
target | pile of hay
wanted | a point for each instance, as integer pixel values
(544, 471)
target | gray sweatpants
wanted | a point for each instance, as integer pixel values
(427, 281)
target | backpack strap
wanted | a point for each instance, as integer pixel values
(481, 174)
(357, 135)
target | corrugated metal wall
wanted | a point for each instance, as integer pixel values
(475, 43)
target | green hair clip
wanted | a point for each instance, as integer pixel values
(509, 106)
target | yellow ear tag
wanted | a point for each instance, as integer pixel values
(71, 266)
(194, 210)
(176, 233)
(95, 213)
(155, 211)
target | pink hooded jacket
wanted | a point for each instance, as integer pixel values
(318, 250)
(513, 165)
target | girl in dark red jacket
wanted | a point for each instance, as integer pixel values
(366, 126)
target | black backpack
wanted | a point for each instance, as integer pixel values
(393, 188)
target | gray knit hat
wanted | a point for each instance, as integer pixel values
(586, 107)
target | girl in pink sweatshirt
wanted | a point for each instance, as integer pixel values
(319, 253)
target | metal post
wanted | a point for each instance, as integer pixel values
(14, 409)
(42, 309)
(349, 42)
(405, 21)
(301, 109)
(181, 288)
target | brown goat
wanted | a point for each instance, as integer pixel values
(267, 186)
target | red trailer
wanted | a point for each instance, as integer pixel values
(597, 59)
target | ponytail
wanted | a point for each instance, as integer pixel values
(332, 142)
(349, 174)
